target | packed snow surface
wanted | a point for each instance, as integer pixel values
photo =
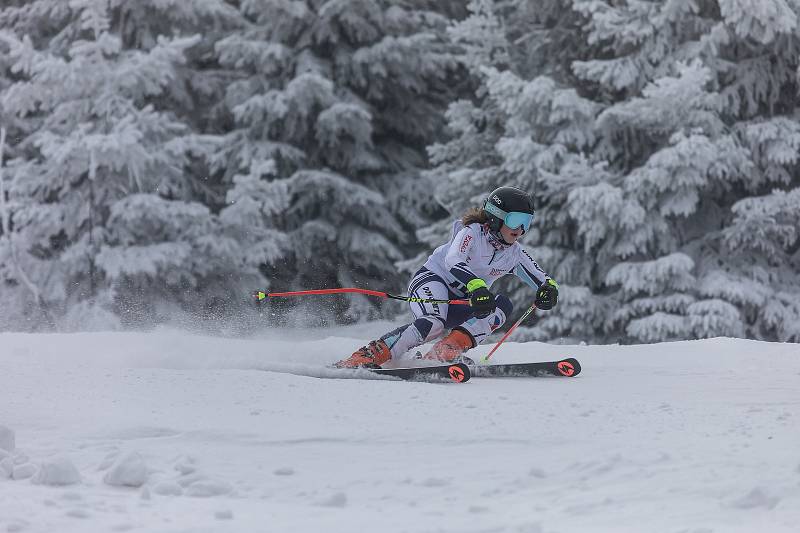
(176, 432)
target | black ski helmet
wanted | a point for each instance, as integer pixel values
(504, 200)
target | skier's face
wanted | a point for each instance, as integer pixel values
(510, 235)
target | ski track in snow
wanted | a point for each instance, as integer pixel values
(175, 432)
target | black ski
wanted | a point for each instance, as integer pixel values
(565, 367)
(458, 372)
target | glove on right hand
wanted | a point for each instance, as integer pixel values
(481, 298)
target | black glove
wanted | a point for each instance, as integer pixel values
(481, 298)
(547, 295)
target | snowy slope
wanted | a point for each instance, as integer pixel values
(176, 432)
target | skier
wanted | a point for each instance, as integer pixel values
(482, 248)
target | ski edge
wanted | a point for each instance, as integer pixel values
(567, 367)
(456, 372)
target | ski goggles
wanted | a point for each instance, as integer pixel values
(513, 220)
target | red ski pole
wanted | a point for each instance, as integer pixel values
(485, 359)
(261, 295)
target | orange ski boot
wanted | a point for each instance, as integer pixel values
(372, 355)
(451, 346)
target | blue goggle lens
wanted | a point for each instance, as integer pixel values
(516, 219)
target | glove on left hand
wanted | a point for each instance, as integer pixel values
(547, 295)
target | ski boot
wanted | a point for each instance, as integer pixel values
(451, 348)
(373, 355)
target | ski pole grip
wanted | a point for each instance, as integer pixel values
(259, 295)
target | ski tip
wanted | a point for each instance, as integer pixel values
(459, 372)
(569, 367)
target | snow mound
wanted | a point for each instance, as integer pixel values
(6, 467)
(756, 498)
(57, 472)
(207, 488)
(24, 471)
(224, 515)
(130, 470)
(17, 525)
(338, 499)
(7, 439)
(167, 488)
(185, 465)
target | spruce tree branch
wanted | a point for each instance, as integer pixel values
(6, 226)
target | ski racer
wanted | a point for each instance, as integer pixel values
(483, 247)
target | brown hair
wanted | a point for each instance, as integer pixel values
(473, 215)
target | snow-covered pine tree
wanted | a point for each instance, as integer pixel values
(466, 164)
(653, 157)
(525, 122)
(101, 212)
(708, 121)
(335, 104)
(21, 297)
